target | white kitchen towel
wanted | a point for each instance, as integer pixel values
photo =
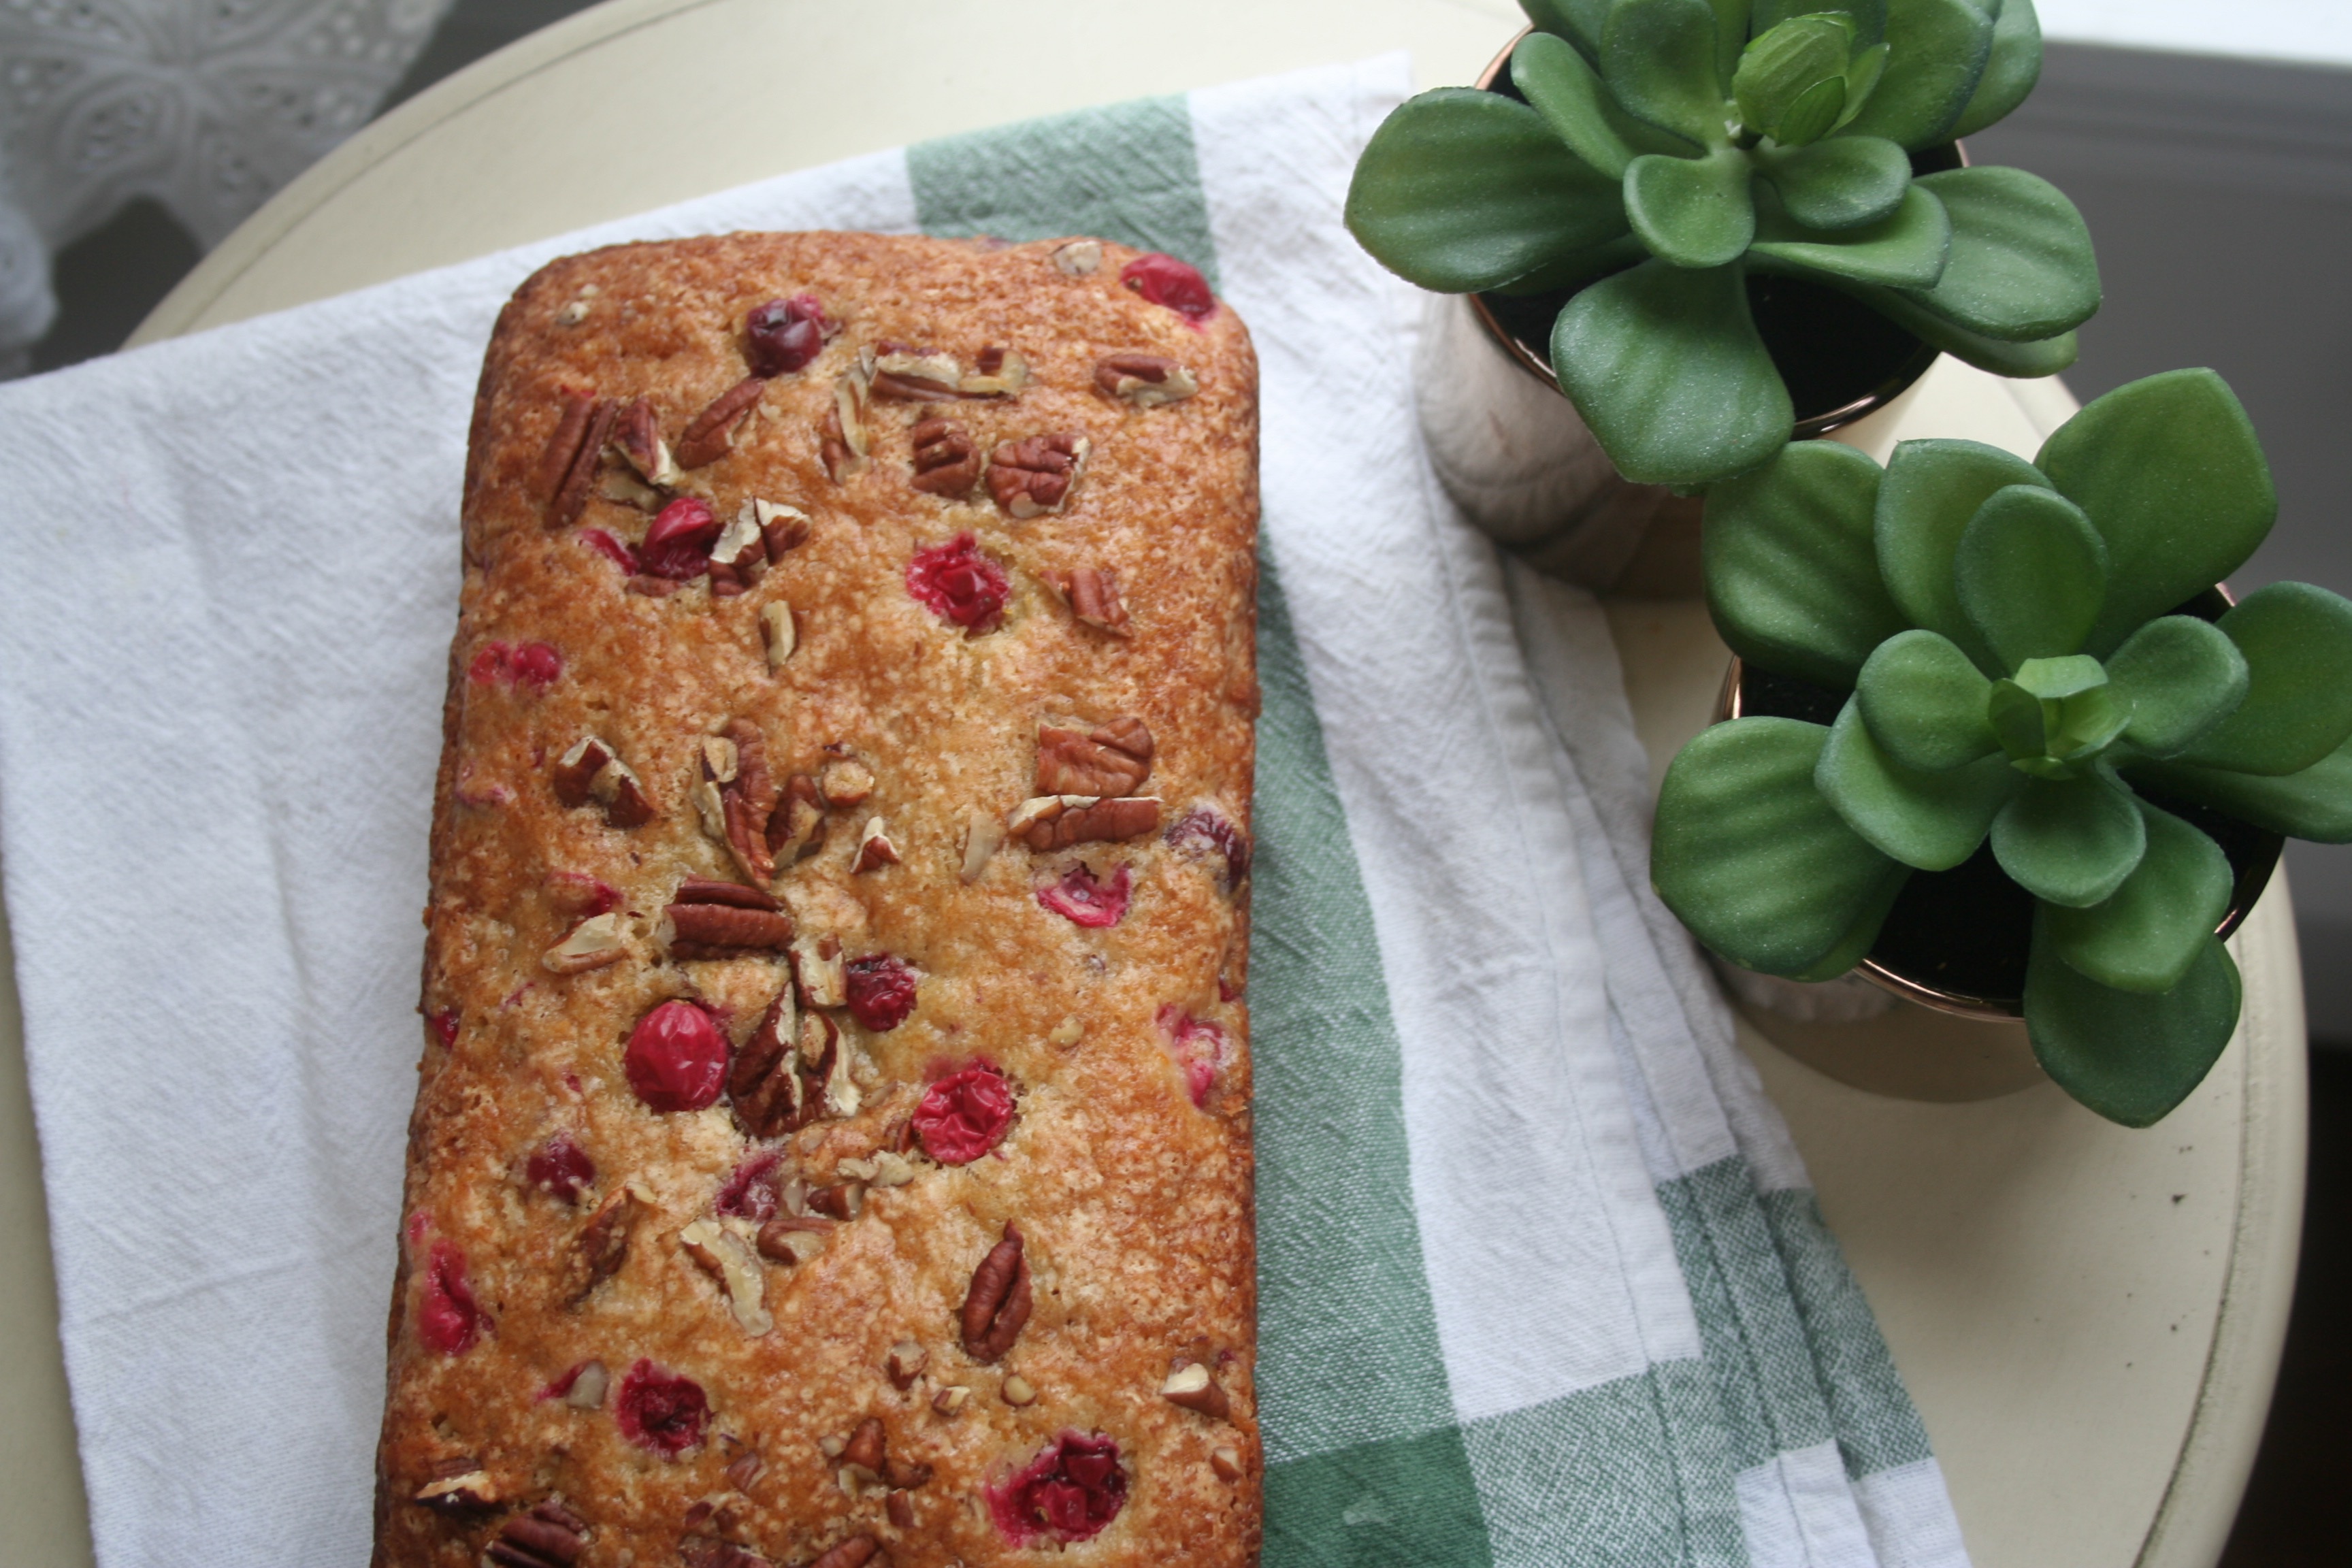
(1541, 1282)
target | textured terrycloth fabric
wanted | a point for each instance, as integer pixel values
(1541, 1280)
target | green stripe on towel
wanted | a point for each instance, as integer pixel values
(1877, 1427)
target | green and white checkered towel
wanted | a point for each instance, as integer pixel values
(1541, 1280)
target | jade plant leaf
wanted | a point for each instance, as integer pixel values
(2021, 265)
(2056, 716)
(2030, 573)
(1906, 248)
(1931, 821)
(2146, 936)
(2070, 841)
(1752, 858)
(1938, 52)
(1924, 701)
(1791, 580)
(2010, 70)
(1665, 365)
(1847, 181)
(2040, 356)
(2297, 640)
(2316, 803)
(2129, 1055)
(1784, 67)
(1868, 16)
(1659, 58)
(2168, 471)
(1461, 190)
(1932, 490)
(1578, 21)
(1559, 85)
(1691, 212)
(2176, 676)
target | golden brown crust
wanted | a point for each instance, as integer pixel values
(1126, 1170)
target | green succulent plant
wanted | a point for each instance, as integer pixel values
(2005, 633)
(1665, 153)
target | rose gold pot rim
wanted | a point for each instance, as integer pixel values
(1729, 705)
(1805, 429)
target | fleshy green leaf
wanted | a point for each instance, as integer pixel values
(1783, 64)
(2040, 356)
(2175, 677)
(1730, 37)
(2030, 573)
(1581, 266)
(1924, 701)
(2011, 70)
(1658, 58)
(1846, 183)
(2070, 841)
(2129, 1055)
(1691, 212)
(2297, 640)
(1811, 116)
(1908, 247)
(2021, 265)
(1792, 579)
(1862, 79)
(2168, 471)
(1461, 190)
(1578, 21)
(1561, 87)
(1932, 821)
(1860, 937)
(1932, 489)
(2147, 935)
(2056, 715)
(1665, 365)
(1751, 858)
(2316, 803)
(1940, 50)
(1869, 16)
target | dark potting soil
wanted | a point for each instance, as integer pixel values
(1970, 930)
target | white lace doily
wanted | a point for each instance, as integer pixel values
(209, 106)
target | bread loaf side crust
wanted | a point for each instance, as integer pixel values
(1132, 1200)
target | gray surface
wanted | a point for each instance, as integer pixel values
(2220, 195)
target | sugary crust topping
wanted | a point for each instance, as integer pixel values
(688, 1285)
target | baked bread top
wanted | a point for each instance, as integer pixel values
(833, 1133)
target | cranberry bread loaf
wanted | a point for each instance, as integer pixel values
(833, 1143)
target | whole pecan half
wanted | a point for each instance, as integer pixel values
(601, 1247)
(1113, 759)
(573, 410)
(710, 435)
(1036, 474)
(1093, 595)
(997, 1304)
(550, 1536)
(946, 461)
(854, 1553)
(636, 436)
(720, 931)
(1056, 822)
(570, 497)
(1146, 381)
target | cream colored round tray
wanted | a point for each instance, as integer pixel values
(2089, 1319)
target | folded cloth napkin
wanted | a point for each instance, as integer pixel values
(1541, 1281)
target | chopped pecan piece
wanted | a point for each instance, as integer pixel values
(745, 1471)
(591, 771)
(984, 835)
(1192, 1385)
(710, 435)
(997, 373)
(949, 1400)
(842, 1199)
(739, 558)
(899, 1511)
(1093, 595)
(636, 436)
(1058, 821)
(764, 1080)
(1112, 759)
(1036, 474)
(601, 1245)
(866, 1444)
(737, 796)
(782, 529)
(823, 974)
(729, 1259)
(854, 1553)
(792, 1239)
(796, 829)
(1227, 1464)
(574, 413)
(946, 463)
(906, 1364)
(998, 1303)
(779, 636)
(842, 440)
(708, 1552)
(874, 849)
(1146, 381)
(550, 1536)
(845, 781)
(1080, 259)
(649, 586)
(592, 944)
(915, 375)
(458, 1486)
(577, 770)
